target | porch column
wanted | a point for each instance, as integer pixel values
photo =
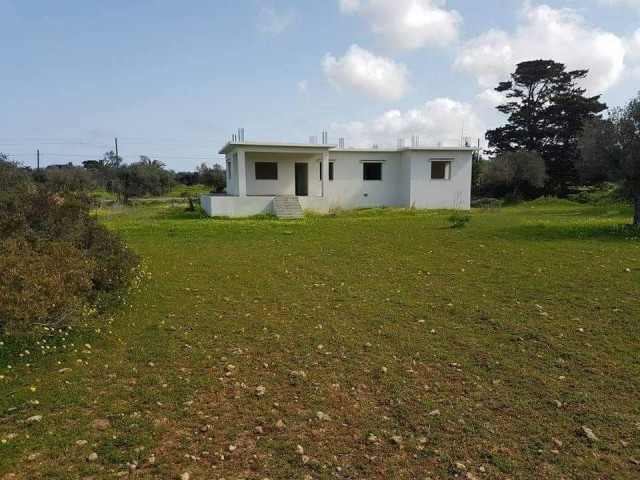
(242, 176)
(325, 172)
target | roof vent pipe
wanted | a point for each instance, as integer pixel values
(341, 142)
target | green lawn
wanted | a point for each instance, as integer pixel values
(423, 349)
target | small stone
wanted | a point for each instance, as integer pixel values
(471, 476)
(232, 448)
(558, 442)
(185, 476)
(151, 460)
(384, 370)
(35, 418)
(322, 416)
(558, 403)
(397, 439)
(280, 425)
(634, 460)
(371, 438)
(300, 450)
(434, 413)
(33, 456)
(93, 457)
(305, 459)
(260, 390)
(81, 443)
(258, 430)
(460, 466)
(587, 432)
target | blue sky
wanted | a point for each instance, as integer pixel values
(172, 80)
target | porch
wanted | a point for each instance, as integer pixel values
(259, 173)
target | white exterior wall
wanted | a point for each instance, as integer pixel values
(232, 180)
(452, 193)
(349, 190)
(228, 206)
(285, 184)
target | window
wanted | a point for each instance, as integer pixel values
(330, 171)
(372, 171)
(229, 170)
(266, 170)
(440, 170)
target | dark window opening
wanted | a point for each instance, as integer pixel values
(266, 170)
(440, 170)
(372, 171)
(330, 171)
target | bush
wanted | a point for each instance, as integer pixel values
(458, 220)
(56, 260)
(41, 286)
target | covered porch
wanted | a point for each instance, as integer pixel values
(257, 173)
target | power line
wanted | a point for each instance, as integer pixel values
(43, 154)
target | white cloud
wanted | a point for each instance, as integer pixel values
(439, 120)
(273, 22)
(303, 88)
(489, 98)
(408, 24)
(627, 3)
(545, 33)
(633, 45)
(361, 71)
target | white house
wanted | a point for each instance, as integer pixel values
(284, 178)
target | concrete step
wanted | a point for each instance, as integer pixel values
(287, 207)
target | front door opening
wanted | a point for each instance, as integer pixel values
(302, 179)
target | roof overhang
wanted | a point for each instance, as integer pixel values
(309, 148)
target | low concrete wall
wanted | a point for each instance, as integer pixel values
(229, 206)
(316, 204)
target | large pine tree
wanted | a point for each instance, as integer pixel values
(547, 111)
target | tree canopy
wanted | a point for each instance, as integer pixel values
(515, 171)
(546, 113)
(611, 149)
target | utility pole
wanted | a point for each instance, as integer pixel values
(38, 159)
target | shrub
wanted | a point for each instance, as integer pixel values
(458, 220)
(56, 260)
(41, 286)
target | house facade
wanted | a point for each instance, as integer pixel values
(323, 177)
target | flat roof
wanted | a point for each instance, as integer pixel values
(315, 147)
(307, 146)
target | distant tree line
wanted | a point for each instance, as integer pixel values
(556, 139)
(144, 178)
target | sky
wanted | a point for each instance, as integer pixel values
(173, 80)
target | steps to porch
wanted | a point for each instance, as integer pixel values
(287, 206)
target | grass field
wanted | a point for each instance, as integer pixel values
(383, 343)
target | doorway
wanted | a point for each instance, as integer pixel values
(302, 179)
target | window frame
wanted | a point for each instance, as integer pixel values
(447, 168)
(365, 163)
(255, 168)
